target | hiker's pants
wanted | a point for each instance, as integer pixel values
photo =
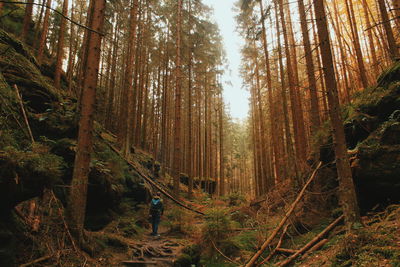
(155, 221)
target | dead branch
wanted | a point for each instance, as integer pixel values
(312, 242)
(267, 242)
(315, 248)
(24, 113)
(56, 11)
(223, 255)
(286, 250)
(380, 23)
(277, 246)
(150, 181)
(60, 213)
(37, 260)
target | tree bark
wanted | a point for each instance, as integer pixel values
(178, 103)
(60, 47)
(356, 42)
(347, 191)
(27, 19)
(43, 36)
(78, 193)
(314, 105)
(393, 49)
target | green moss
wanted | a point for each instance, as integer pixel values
(37, 162)
(390, 75)
(20, 67)
(367, 248)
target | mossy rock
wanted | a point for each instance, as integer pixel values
(390, 75)
(24, 174)
(20, 67)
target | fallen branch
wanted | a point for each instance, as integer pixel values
(267, 242)
(286, 250)
(223, 255)
(24, 113)
(316, 247)
(276, 248)
(37, 260)
(150, 181)
(312, 242)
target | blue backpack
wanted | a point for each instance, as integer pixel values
(156, 206)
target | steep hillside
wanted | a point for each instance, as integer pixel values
(33, 170)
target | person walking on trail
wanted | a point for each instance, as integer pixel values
(156, 210)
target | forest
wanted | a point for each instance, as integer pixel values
(114, 121)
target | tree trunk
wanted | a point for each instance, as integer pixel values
(78, 193)
(393, 49)
(126, 137)
(356, 42)
(27, 19)
(178, 102)
(60, 47)
(347, 191)
(314, 105)
(43, 36)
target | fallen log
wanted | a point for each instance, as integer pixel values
(267, 242)
(153, 183)
(312, 242)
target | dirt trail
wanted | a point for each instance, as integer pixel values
(154, 251)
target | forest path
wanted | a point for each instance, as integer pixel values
(154, 251)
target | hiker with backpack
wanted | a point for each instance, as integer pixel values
(156, 210)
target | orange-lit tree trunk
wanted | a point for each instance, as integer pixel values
(300, 149)
(347, 191)
(393, 49)
(78, 193)
(289, 153)
(356, 42)
(312, 84)
(43, 36)
(374, 61)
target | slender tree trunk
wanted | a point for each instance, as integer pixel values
(189, 159)
(126, 138)
(78, 193)
(374, 61)
(356, 42)
(347, 191)
(299, 152)
(60, 47)
(27, 19)
(43, 36)
(288, 136)
(221, 147)
(393, 49)
(178, 100)
(314, 105)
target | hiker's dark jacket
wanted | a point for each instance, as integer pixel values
(156, 207)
